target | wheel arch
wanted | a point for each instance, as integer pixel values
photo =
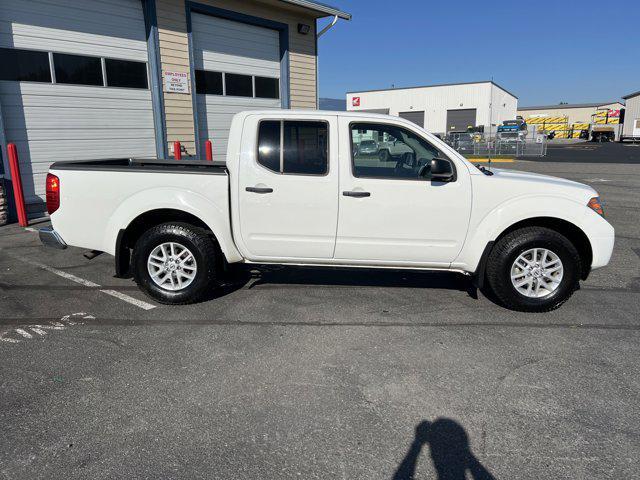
(128, 236)
(572, 232)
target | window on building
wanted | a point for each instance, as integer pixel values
(267, 87)
(388, 151)
(305, 148)
(24, 65)
(77, 69)
(208, 83)
(238, 85)
(125, 73)
(269, 145)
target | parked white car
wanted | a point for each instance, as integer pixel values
(293, 191)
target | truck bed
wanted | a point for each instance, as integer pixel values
(98, 198)
(145, 165)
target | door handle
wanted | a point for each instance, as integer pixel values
(259, 189)
(356, 194)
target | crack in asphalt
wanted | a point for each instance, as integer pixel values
(191, 322)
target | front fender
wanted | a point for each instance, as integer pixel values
(488, 227)
(214, 213)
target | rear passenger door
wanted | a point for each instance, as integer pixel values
(288, 191)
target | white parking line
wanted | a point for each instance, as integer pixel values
(121, 296)
(127, 298)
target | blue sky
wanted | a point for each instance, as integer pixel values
(543, 52)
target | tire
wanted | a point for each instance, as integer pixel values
(199, 244)
(384, 155)
(511, 247)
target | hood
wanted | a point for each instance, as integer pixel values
(537, 183)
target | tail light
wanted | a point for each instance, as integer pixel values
(53, 193)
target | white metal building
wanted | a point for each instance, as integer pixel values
(631, 127)
(442, 108)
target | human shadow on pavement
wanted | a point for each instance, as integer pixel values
(450, 452)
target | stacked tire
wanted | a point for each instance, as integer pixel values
(3, 205)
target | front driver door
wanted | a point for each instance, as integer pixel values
(390, 215)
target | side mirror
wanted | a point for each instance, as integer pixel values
(441, 170)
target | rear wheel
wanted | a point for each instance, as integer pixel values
(175, 263)
(533, 269)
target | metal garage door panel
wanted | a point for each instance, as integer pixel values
(232, 47)
(415, 117)
(227, 46)
(460, 120)
(53, 122)
(111, 28)
(383, 111)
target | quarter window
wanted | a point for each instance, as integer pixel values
(269, 145)
(388, 151)
(78, 69)
(24, 65)
(293, 147)
(125, 73)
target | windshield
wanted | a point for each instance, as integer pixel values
(368, 143)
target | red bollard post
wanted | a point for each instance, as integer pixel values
(208, 146)
(177, 153)
(16, 180)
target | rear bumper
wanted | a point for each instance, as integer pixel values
(50, 238)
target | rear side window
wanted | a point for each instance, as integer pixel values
(77, 69)
(24, 65)
(294, 147)
(305, 148)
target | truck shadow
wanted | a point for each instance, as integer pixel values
(243, 277)
(450, 452)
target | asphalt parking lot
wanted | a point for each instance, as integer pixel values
(321, 373)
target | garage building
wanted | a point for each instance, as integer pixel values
(575, 112)
(631, 127)
(127, 78)
(442, 108)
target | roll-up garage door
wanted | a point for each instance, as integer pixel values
(460, 120)
(73, 84)
(383, 111)
(237, 68)
(415, 117)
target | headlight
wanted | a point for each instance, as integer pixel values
(596, 205)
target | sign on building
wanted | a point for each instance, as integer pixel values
(176, 82)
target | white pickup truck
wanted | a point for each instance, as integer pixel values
(294, 191)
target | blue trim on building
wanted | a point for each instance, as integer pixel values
(282, 28)
(155, 70)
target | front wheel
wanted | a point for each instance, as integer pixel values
(533, 269)
(175, 263)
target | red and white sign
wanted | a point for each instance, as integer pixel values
(355, 102)
(176, 82)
